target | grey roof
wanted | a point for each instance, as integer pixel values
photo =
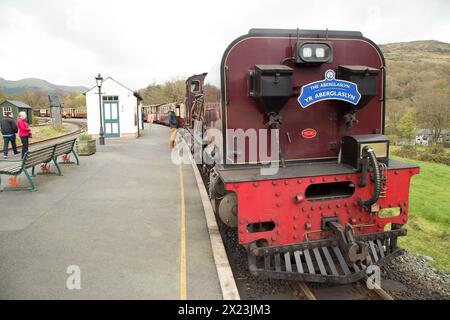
(107, 78)
(19, 104)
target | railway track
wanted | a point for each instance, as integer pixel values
(82, 128)
(353, 291)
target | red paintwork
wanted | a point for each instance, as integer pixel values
(309, 133)
(244, 112)
(274, 200)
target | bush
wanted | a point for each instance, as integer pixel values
(406, 151)
(85, 137)
(436, 149)
(34, 121)
(436, 158)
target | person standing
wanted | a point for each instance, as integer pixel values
(143, 119)
(24, 131)
(173, 124)
(9, 130)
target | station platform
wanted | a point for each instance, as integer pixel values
(118, 217)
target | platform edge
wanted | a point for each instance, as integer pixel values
(226, 278)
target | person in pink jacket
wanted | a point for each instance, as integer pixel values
(24, 131)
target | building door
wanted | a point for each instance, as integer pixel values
(111, 118)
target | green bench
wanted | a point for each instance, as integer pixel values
(36, 157)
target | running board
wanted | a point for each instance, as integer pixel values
(322, 260)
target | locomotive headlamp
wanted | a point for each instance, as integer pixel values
(320, 52)
(313, 52)
(307, 52)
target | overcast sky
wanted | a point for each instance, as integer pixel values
(138, 42)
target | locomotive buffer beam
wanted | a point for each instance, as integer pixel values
(323, 260)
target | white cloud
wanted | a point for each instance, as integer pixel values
(138, 42)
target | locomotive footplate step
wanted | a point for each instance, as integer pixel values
(322, 260)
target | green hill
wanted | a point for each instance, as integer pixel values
(415, 70)
(416, 66)
(13, 87)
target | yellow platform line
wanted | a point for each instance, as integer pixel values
(183, 289)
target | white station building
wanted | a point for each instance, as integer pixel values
(121, 111)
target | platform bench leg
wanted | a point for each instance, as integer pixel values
(76, 157)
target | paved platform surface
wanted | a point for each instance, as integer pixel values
(117, 217)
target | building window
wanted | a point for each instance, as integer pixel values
(110, 98)
(6, 110)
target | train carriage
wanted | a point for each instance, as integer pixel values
(160, 113)
(336, 202)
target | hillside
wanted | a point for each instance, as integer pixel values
(415, 70)
(416, 66)
(14, 87)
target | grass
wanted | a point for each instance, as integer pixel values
(429, 222)
(41, 133)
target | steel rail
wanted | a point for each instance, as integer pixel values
(81, 129)
(377, 293)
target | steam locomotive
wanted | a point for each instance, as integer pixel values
(309, 104)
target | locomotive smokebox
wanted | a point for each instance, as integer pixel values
(271, 86)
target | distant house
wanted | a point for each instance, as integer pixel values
(121, 110)
(424, 137)
(15, 107)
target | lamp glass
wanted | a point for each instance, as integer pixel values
(99, 80)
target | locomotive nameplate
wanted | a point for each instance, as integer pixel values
(329, 89)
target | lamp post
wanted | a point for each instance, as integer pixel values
(99, 80)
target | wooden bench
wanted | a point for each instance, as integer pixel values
(65, 148)
(35, 157)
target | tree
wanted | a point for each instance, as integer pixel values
(2, 96)
(395, 109)
(434, 112)
(35, 99)
(170, 91)
(406, 126)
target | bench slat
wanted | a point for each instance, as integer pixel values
(11, 169)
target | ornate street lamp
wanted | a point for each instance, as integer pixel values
(99, 80)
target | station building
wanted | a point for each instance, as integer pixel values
(14, 107)
(121, 110)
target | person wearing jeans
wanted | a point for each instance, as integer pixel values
(24, 131)
(9, 130)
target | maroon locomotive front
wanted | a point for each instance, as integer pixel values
(293, 124)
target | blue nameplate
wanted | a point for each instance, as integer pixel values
(329, 89)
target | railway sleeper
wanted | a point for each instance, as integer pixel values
(322, 260)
